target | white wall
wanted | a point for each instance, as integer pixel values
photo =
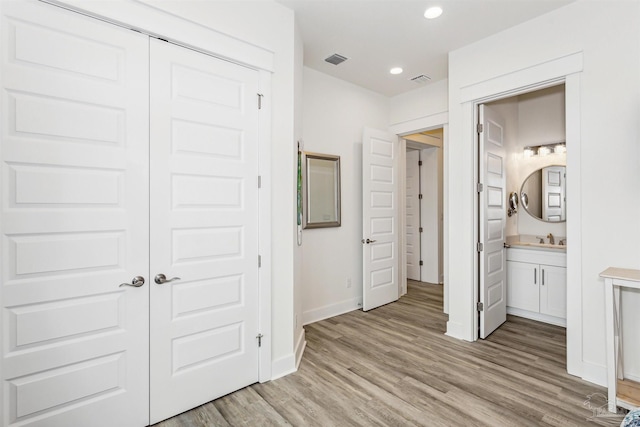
(423, 102)
(270, 26)
(608, 158)
(334, 114)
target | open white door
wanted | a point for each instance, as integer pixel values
(412, 245)
(492, 293)
(74, 220)
(380, 193)
(204, 228)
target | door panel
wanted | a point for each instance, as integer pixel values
(492, 222)
(413, 215)
(380, 212)
(204, 228)
(74, 216)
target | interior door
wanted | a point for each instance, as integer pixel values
(413, 214)
(380, 194)
(553, 199)
(492, 210)
(204, 228)
(74, 220)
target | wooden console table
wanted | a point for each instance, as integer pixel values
(624, 393)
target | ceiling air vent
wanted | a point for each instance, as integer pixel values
(336, 59)
(420, 79)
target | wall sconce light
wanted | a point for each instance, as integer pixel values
(544, 150)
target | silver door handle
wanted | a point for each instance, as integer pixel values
(161, 278)
(136, 282)
(368, 241)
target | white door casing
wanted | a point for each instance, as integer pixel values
(413, 214)
(492, 199)
(204, 228)
(74, 220)
(380, 193)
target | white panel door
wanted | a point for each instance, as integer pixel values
(380, 193)
(493, 290)
(204, 228)
(553, 198)
(413, 214)
(74, 219)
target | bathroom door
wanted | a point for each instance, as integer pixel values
(380, 199)
(492, 200)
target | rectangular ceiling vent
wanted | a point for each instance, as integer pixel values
(336, 59)
(420, 79)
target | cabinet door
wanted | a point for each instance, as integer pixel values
(553, 291)
(522, 285)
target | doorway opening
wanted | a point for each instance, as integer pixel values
(525, 212)
(423, 214)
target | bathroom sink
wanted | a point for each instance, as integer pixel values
(532, 242)
(532, 245)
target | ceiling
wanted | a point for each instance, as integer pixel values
(377, 35)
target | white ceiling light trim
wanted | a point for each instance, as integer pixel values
(433, 12)
(396, 70)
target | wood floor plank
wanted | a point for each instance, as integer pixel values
(393, 366)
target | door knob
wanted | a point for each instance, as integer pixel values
(368, 241)
(136, 282)
(161, 278)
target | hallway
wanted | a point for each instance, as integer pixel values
(393, 366)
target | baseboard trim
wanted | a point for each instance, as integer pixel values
(283, 366)
(331, 310)
(300, 346)
(593, 373)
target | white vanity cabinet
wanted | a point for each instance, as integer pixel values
(537, 284)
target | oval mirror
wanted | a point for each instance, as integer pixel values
(543, 194)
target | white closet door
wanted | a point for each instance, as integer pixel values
(204, 228)
(74, 218)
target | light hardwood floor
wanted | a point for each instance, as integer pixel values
(393, 366)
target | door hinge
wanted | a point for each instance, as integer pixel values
(421, 263)
(420, 230)
(480, 187)
(259, 337)
(419, 162)
(479, 127)
(420, 196)
(480, 306)
(259, 181)
(259, 261)
(480, 247)
(260, 101)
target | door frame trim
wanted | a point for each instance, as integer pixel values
(567, 70)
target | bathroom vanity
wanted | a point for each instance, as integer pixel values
(537, 282)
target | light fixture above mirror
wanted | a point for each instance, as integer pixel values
(545, 149)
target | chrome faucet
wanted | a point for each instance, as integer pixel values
(541, 239)
(551, 239)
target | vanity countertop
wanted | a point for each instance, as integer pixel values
(529, 242)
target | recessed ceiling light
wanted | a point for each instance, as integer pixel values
(396, 70)
(433, 12)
